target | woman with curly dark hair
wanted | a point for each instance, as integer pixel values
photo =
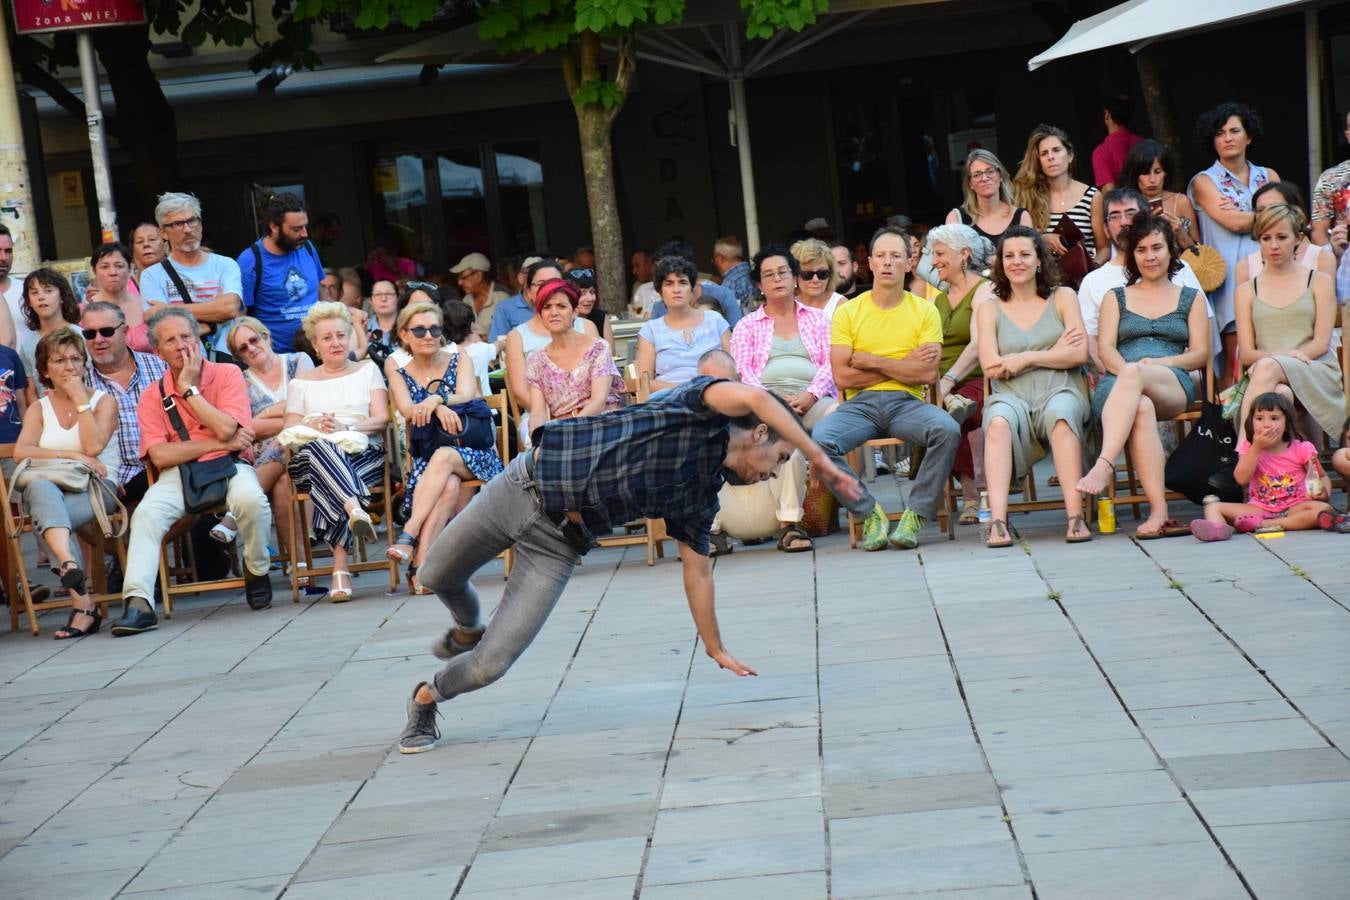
(48, 305)
(1223, 199)
(1033, 349)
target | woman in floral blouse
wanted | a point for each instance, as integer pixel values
(573, 374)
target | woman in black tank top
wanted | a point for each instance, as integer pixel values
(988, 204)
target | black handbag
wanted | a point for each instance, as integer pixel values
(1203, 462)
(477, 434)
(204, 482)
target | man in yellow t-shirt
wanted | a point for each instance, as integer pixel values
(884, 348)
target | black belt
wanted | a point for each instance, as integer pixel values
(578, 536)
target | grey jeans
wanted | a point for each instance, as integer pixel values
(876, 414)
(506, 512)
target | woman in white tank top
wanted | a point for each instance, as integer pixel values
(69, 422)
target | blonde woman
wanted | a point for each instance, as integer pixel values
(988, 205)
(816, 276)
(1045, 185)
(338, 395)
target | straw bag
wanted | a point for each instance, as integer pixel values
(1207, 264)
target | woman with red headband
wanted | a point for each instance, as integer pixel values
(573, 374)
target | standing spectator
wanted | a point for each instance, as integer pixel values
(13, 327)
(112, 279)
(729, 259)
(190, 273)
(389, 259)
(147, 249)
(1222, 197)
(645, 295)
(726, 301)
(1045, 185)
(1108, 158)
(326, 229)
(1331, 204)
(281, 271)
(988, 198)
(884, 349)
(212, 402)
(474, 274)
(48, 305)
(1147, 168)
(584, 257)
(845, 272)
(123, 374)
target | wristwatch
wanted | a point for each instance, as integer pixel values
(190, 392)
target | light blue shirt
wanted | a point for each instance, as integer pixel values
(677, 352)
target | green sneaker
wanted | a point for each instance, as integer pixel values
(906, 533)
(874, 529)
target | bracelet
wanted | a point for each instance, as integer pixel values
(949, 375)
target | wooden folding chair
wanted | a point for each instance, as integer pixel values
(359, 561)
(1133, 493)
(650, 533)
(14, 572)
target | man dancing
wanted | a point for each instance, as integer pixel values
(663, 459)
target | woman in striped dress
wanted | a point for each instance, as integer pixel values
(1045, 186)
(338, 395)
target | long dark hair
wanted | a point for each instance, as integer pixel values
(1141, 158)
(1047, 271)
(1272, 401)
(48, 277)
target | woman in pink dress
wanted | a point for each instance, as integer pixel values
(573, 374)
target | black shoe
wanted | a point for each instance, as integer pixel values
(134, 621)
(258, 591)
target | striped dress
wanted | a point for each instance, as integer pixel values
(1081, 216)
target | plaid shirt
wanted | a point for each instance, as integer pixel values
(149, 369)
(753, 339)
(737, 280)
(661, 459)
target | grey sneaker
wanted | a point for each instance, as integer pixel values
(421, 732)
(447, 647)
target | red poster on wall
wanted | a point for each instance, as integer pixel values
(37, 16)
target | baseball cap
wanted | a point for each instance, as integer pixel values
(816, 224)
(472, 261)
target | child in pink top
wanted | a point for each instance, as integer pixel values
(1275, 464)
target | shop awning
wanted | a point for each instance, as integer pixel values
(1140, 22)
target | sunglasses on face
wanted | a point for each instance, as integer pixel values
(106, 331)
(421, 331)
(814, 275)
(421, 286)
(581, 273)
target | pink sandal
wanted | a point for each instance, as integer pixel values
(1208, 531)
(1246, 524)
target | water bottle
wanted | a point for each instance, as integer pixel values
(1106, 515)
(986, 516)
(1314, 482)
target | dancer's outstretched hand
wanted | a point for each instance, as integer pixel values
(842, 484)
(726, 661)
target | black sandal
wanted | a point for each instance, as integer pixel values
(69, 632)
(72, 576)
(794, 533)
(719, 545)
(994, 528)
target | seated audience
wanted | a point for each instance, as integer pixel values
(211, 401)
(112, 284)
(381, 326)
(338, 395)
(571, 375)
(1306, 253)
(816, 277)
(729, 260)
(727, 304)
(987, 204)
(49, 305)
(884, 349)
(69, 422)
(588, 305)
(531, 335)
(1151, 336)
(959, 255)
(1033, 350)
(670, 343)
(425, 391)
(1284, 321)
(123, 374)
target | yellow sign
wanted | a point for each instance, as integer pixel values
(386, 178)
(71, 186)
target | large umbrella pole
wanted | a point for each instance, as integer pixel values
(738, 108)
(1312, 57)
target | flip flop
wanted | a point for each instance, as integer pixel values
(792, 534)
(994, 527)
(1078, 538)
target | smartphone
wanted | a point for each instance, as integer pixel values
(1155, 207)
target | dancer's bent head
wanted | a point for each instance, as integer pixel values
(755, 451)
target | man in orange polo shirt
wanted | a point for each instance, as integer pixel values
(212, 400)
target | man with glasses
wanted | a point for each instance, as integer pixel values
(123, 374)
(476, 288)
(190, 273)
(1123, 206)
(281, 271)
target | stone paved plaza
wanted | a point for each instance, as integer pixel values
(1155, 720)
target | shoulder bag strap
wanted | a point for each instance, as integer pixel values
(257, 269)
(171, 410)
(184, 294)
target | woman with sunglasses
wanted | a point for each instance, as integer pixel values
(816, 277)
(267, 375)
(424, 388)
(988, 198)
(112, 284)
(588, 304)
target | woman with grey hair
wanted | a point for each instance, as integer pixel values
(988, 204)
(960, 254)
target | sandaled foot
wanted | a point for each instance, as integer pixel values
(1151, 529)
(401, 551)
(794, 539)
(361, 525)
(970, 513)
(1078, 532)
(224, 530)
(1097, 478)
(999, 537)
(341, 591)
(415, 585)
(81, 623)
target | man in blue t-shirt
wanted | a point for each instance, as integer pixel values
(281, 271)
(13, 383)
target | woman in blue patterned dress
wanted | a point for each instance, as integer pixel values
(424, 388)
(1151, 335)
(1222, 196)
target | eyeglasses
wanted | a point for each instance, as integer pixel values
(66, 361)
(106, 331)
(183, 223)
(1124, 215)
(385, 294)
(421, 331)
(776, 275)
(984, 174)
(255, 341)
(814, 274)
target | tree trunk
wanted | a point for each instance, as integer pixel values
(144, 125)
(597, 165)
(1160, 116)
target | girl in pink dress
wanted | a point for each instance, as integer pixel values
(1287, 487)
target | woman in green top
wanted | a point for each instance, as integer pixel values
(960, 254)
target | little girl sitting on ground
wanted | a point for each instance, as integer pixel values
(1274, 464)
